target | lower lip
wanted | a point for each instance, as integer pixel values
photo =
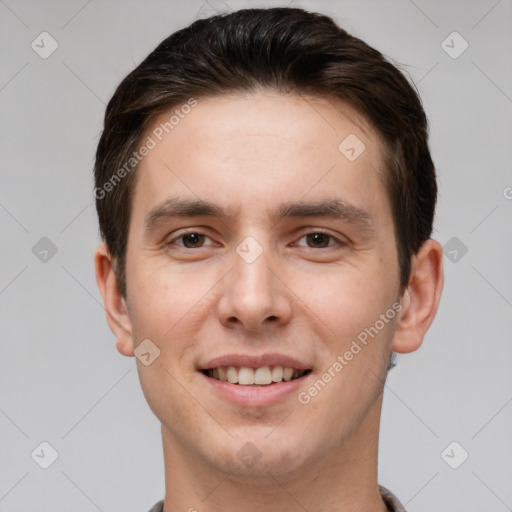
(255, 396)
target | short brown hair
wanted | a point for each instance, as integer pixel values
(286, 50)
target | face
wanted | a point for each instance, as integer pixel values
(260, 249)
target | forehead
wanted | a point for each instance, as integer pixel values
(263, 147)
(303, 122)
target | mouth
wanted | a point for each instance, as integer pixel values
(262, 376)
(255, 380)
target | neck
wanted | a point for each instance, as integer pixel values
(343, 481)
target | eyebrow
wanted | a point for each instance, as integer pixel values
(334, 208)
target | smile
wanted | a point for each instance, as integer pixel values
(262, 376)
(255, 380)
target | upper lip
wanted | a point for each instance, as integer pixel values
(255, 361)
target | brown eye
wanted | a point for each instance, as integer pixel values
(318, 240)
(192, 240)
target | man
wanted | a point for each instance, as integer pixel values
(266, 196)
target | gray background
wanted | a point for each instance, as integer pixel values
(61, 378)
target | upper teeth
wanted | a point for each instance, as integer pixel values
(249, 376)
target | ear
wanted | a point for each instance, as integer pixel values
(115, 306)
(421, 298)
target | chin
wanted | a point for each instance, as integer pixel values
(255, 453)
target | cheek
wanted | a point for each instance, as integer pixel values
(167, 395)
(358, 310)
(164, 297)
(347, 300)
(164, 308)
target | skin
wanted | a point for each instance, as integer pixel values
(300, 298)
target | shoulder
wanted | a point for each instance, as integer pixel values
(390, 500)
(158, 507)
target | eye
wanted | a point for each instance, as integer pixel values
(320, 240)
(191, 240)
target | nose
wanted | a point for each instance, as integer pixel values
(255, 298)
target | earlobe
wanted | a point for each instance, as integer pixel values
(115, 305)
(421, 298)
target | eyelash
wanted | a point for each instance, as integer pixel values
(317, 232)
